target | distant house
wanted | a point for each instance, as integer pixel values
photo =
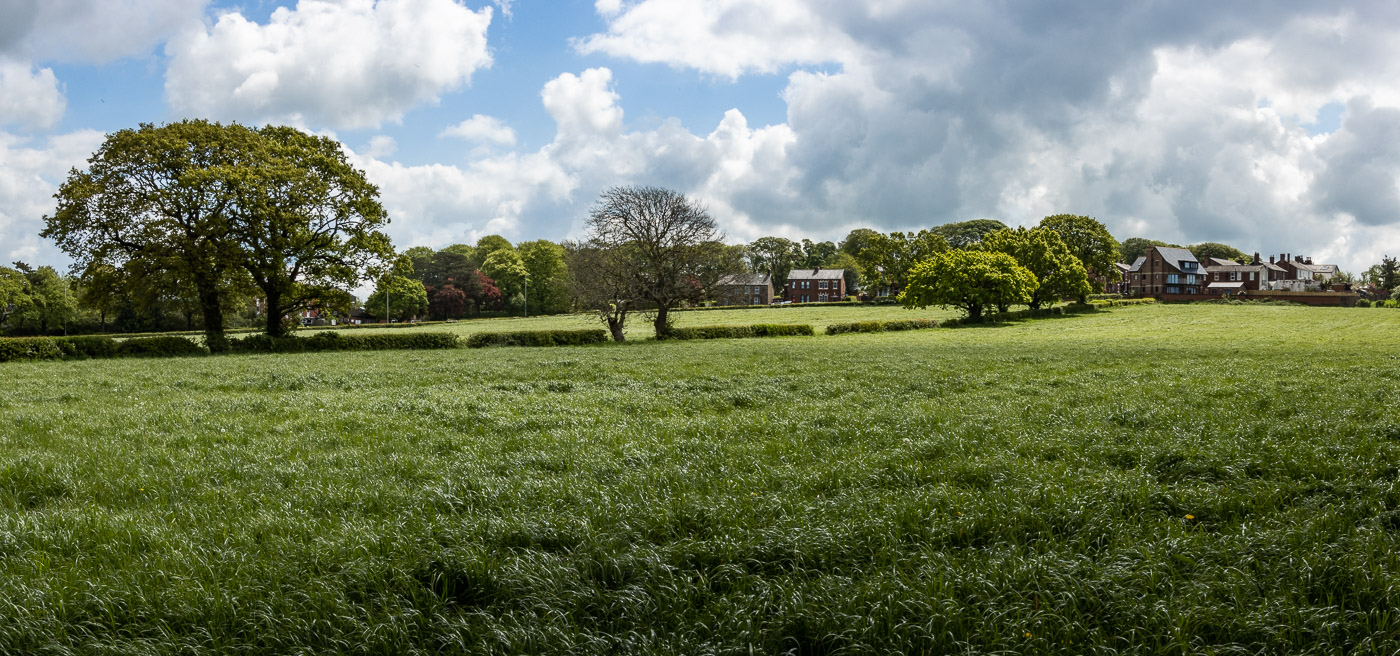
(816, 285)
(1227, 277)
(1298, 267)
(1167, 273)
(745, 289)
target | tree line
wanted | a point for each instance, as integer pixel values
(198, 225)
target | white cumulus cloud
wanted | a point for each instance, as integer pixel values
(29, 98)
(346, 64)
(482, 129)
(30, 172)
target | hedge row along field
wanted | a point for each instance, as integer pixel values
(538, 338)
(1148, 480)
(81, 348)
(754, 330)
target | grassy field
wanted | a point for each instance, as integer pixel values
(639, 325)
(1160, 479)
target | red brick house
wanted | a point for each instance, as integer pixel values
(816, 285)
(745, 289)
(1167, 273)
(1226, 277)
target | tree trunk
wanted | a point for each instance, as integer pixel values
(974, 312)
(276, 327)
(662, 326)
(615, 327)
(213, 319)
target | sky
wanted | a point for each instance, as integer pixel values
(1273, 126)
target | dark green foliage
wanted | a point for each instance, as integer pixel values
(755, 330)
(1361, 302)
(29, 348)
(159, 347)
(88, 347)
(539, 338)
(328, 341)
(880, 326)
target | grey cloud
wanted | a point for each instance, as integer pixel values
(1362, 176)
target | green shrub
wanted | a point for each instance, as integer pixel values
(327, 341)
(1361, 302)
(539, 338)
(29, 348)
(159, 347)
(755, 330)
(880, 326)
(1392, 303)
(88, 347)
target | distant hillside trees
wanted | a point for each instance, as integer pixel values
(1207, 249)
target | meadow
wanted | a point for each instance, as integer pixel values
(1156, 479)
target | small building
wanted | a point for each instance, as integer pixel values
(745, 289)
(1168, 273)
(816, 285)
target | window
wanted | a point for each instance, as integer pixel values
(1251, 275)
(1173, 290)
(821, 284)
(1172, 279)
(1188, 266)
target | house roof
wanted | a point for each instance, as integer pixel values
(1137, 264)
(747, 279)
(1219, 261)
(1225, 285)
(1235, 267)
(1175, 256)
(1271, 266)
(1123, 268)
(816, 274)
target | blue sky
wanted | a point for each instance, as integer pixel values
(1268, 125)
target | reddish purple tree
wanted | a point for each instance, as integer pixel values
(447, 303)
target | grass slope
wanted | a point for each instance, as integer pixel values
(1171, 479)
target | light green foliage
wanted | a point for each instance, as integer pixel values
(549, 276)
(488, 245)
(964, 234)
(14, 293)
(815, 254)
(1058, 273)
(407, 298)
(463, 250)
(1207, 249)
(921, 492)
(971, 280)
(506, 267)
(51, 303)
(1090, 241)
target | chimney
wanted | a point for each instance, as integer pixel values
(1297, 258)
(815, 270)
(1255, 260)
(1308, 261)
(1271, 259)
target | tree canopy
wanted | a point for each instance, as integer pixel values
(971, 280)
(407, 298)
(213, 205)
(548, 273)
(1207, 249)
(1059, 274)
(1089, 241)
(1134, 247)
(962, 234)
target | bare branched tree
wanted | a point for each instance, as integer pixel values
(667, 248)
(599, 283)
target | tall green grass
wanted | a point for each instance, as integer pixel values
(1170, 479)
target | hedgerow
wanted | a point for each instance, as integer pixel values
(337, 342)
(539, 338)
(880, 326)
(755, 330)
(160, 347)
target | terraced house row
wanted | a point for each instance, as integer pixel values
(1174, 274)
